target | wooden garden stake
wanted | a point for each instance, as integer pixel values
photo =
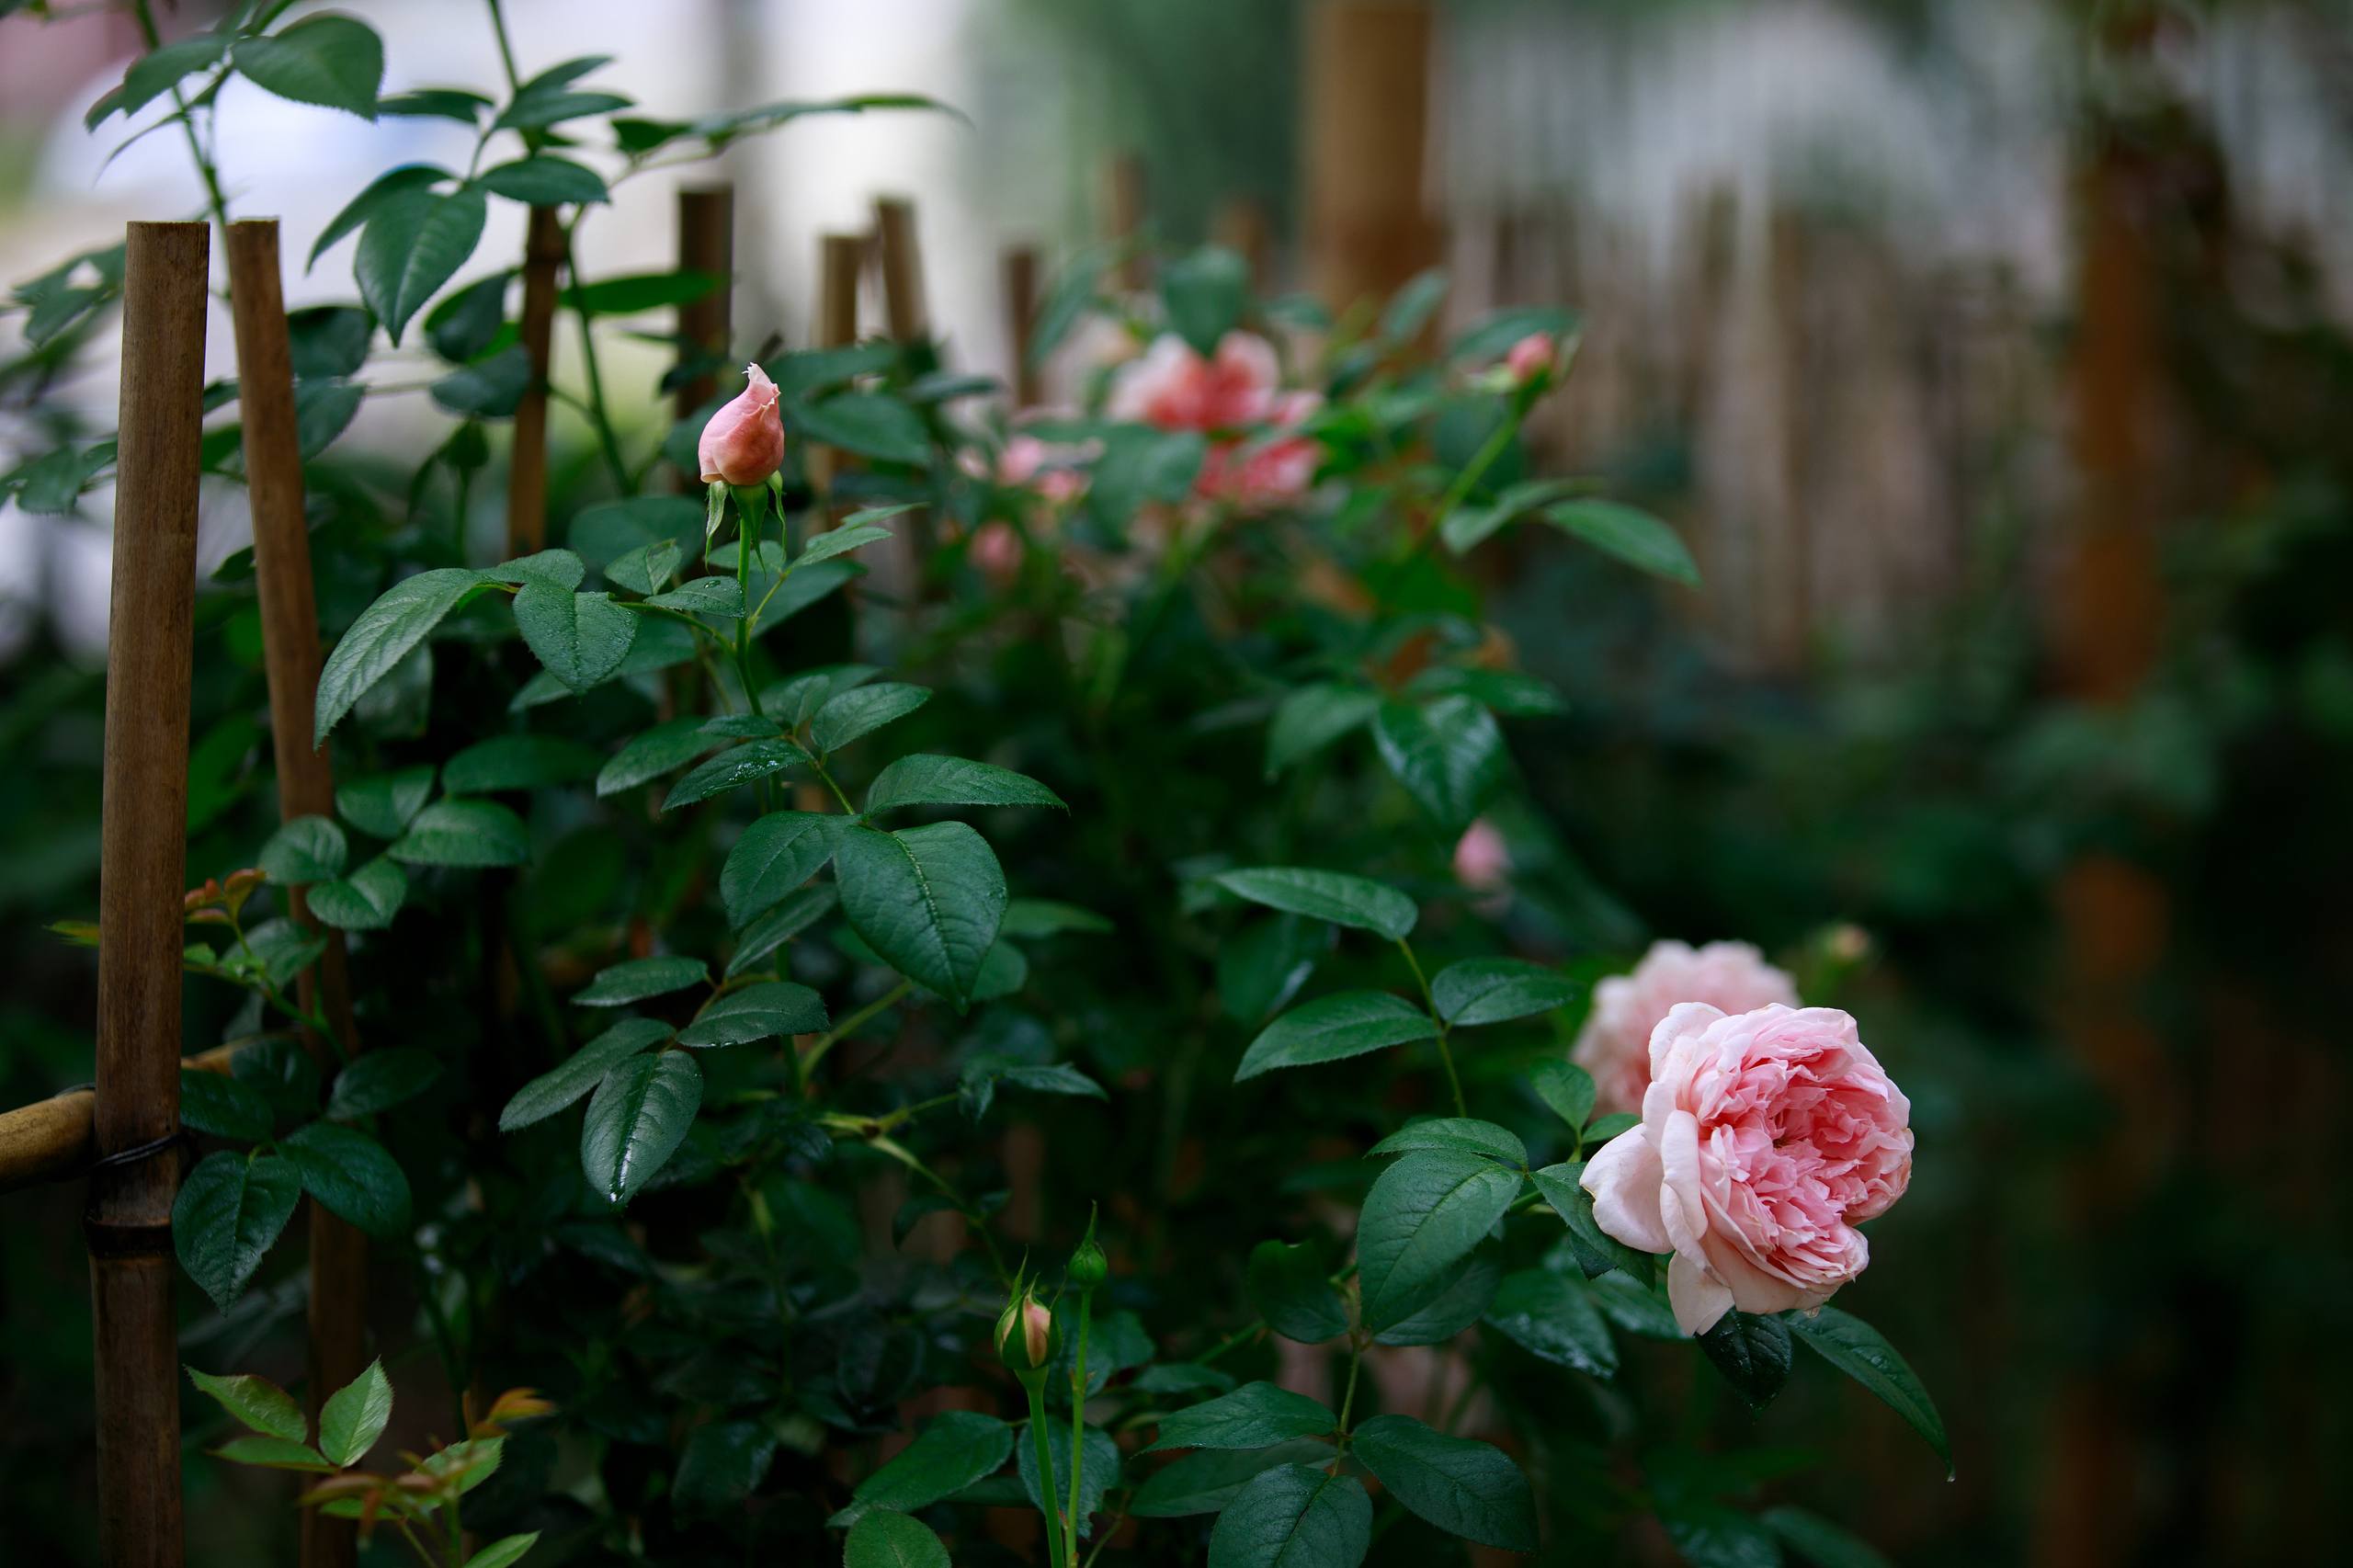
(527, 473)
(142, 872)
(290, 628)
(1124, 225)
(1020, 273)
(902, 261)
(706, 244)
(840, 259)
(1242, 227)
(1366, 110)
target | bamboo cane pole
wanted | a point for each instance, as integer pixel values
(840, 257)
(290, 629)
(706, 244)
(1367, 115)
(1018, 267)
(527, 472)
(901, 257)
(51, 1140)
(143, 870)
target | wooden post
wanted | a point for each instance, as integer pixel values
(839, 258)
(289, 629)
(1368, 116)
(527, 472)
(1124, 221)
(1020, 269)
(706, 244)
(142, 872)
(1241, 226)
(901, 266)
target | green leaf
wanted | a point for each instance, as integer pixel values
(925, 780)
(1464, 1487)
(1294, 1517)
(260, 1404)
(1441, 1312)
(775, 855)
(1073, 294)
(1205, 293)
(927, 899)
(516, 762)
(884, 1540)
(155, 72)
(464, 325)
(801, 908)
(1633, 536)
(869, 424)
(1031, 917)
(1491, 991)
(646, 568)
(360, 208)
(437, 103)
(636, 1120)
(1290, 1288)
(633, 980)
(351, 1175)
(545, 180)
(1752, 1353)
(1858, 1349)
(466, 833)
(331, 61)
(579, 1073)
(1332, 1028)
(1449, 754)
(1098, 1467)
(322, 411)
(413, 245)
(274, 1453)
(1819, 1540)
(1335, 896)
(1140, 465)
(555, 568)
(365, 900)
(649, 754)
(731, 769)
(504, 1552)
(1554, 1319)
(355, 1415)
(1707, 1535)
(795, 702)
(1602, 1129)
(1466, 528)
(955, 1449)
(379, 1080)
(642, 291)
(383, 804)
(383, 636)
(1423, 1216)
(840, 541)
(1598, 1251)
(862, 711)
(1313, 718)
(1565, 1087)
(1252, 1416)
(1410, 309)
(491, 389)
(720, 596)
(723, 1465)
(1510, 693)
(1493, 335)
(229, 1208)
(1464, 1135)
(755, 1013)
(1635, 1308)
(1207, 1480)
(223, 1107)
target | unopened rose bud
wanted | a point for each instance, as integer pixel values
(1088, 1267)
(1532, 357)
(1847, 942)
(1025, 1333)
(744, 443)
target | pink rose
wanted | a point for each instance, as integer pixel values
(744, 443)
(1265, 471)
(1482, 858)
(1615, 1044)
(1172, 387)
(1531, 357)
(996, 551)
(1044, 467)
(1766, 1137)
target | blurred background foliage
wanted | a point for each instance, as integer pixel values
(1993, 357)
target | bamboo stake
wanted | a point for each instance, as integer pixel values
(290, 627)
(901, 265)
(1124, 221)
(51, 1140)
(840, 259)
(527, 473)
(1020, 269)
(1241, 226)
(144, 868)
(1367, 112)
(706, 244)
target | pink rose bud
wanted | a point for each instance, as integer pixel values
(744, 443)
(1765, 1138)
(1615, 1044)
(1482, 858)
(997, 551)
(1038, 1332)
(1530, 357)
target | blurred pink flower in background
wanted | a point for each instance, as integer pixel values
(1615, 1044)
(1531, 357)
(1482, 858)
(1170, 386)
(996, 551)
(744, 442)
(1266, 470)
(1766, 1137)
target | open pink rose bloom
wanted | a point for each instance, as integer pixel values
(1615, 1044)
(1171, 387)
(1766, 1137)
(744, 442)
